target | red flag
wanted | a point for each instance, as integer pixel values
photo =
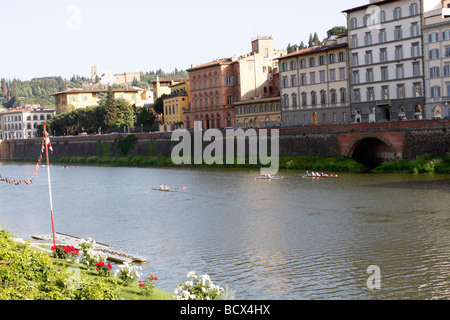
(47, 141)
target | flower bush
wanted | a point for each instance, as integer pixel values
(147, 285)
(103, 269)
(198, 289)
(65, 252)
(90, 256)
(127, 272)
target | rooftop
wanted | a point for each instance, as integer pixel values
(363, 7)
(315, 50)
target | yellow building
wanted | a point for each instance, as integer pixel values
(176, 103)
(163, 86)
(258, 113)
(75, 99)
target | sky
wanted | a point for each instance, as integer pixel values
(67, 37)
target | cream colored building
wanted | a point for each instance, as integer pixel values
(314, 85)
(258, 113)
(75, 99)
(436, 43)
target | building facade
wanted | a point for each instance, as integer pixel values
(21, 123)
(386, 60)
(174, 106)
(436, 38)
(217, 85)
(258, 113)
(314, 85)
(74, 99)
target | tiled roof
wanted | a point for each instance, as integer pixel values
(368, 5)
(94, 91)
(314, 50)
(211, 63)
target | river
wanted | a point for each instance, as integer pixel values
(284, 239)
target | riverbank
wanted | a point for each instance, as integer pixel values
(426, 164)
(30, 272)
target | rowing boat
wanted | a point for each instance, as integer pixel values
(268, 178)
(329, 177)
(162, 190)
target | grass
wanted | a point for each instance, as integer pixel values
(421, 165)
(30, 273)
(426, 164)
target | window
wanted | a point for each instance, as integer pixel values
(416, 69)
(302, 63)
(356, 95)
(353, 23)
(370, 94)
(434, 72)
(413, 9)
(355, 77)
(293, 65)
(342, 74)
(447, 69)
(313, 98)
(398, 53)
(368, 39)
(433, 37)
(229, 81)
(417, 89)
(399, 71)
(355, 62)
(331, 58)
(304, 98)
(447, 51)
(313, 77)
(383, 55)
(293, 81)
(354, 42)
(397, 13)
(285, 101)
(415, 50)
(366, 20)
(415, 32)
(434, 54)
(382, 16)
(385, 93)
(400, 91)
(322, 76)
(294, 100)
(333, 96)
(312, 62)
(368, 57)
(303, 81)
(369, 75)
(323, 97)
(435, 91)
(382, 35)
(321, 60)
(332, 75)
(446, 35)
(341, 56)
(398, 33)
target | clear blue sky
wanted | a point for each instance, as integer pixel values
(63, 38)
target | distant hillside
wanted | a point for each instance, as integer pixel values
(16, 92)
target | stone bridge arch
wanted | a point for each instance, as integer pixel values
(373, 149)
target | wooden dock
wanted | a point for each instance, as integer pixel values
(65, 239)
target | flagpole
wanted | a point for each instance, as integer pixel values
(49, 184)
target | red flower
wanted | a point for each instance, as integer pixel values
(100, 264)
(109, 266)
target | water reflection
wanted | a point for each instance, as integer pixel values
(279, 239)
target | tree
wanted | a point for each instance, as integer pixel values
(158, 106)
(125, 114)
(110, 109)
(335, 31)
(145, 117)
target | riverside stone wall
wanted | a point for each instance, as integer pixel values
(419, 138)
